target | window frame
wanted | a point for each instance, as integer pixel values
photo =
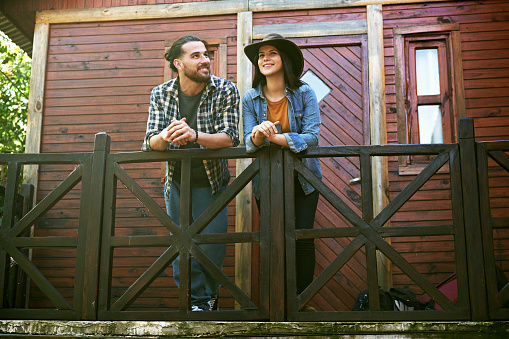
(452, 96)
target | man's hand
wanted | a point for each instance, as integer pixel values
(178, 133)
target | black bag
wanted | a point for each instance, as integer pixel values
(404, 300)
(501, 283)
(362, 302)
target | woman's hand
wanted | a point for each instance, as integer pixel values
(265, 130)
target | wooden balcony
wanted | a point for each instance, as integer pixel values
(100, 172)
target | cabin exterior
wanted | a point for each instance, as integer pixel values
(95, 63)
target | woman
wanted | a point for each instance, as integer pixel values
(283, 110)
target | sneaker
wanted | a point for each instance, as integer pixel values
(196, 308)
(308, 308)
(214, 302)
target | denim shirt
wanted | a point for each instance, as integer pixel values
(304, 119)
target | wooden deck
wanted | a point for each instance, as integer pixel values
(259, 330)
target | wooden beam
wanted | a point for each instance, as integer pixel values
(223, 61)
(419, 29)
(289, 5)
(399, 70)
(35, 100)
(459, 86)
(303, 30)
(35, 112)
(378, 126)
(244, 201)
(206, 8)
(162, 11)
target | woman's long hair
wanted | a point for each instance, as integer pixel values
(291, 80)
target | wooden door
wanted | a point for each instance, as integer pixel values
(341, 63)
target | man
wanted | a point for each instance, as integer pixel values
(195, 110)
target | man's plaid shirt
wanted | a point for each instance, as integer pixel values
(218, 112)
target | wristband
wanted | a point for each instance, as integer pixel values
(196, 140)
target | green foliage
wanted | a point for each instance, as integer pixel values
(15, 66)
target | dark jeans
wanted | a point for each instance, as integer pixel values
(203, 285)
(305, 210)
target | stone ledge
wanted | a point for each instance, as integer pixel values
(215, 329)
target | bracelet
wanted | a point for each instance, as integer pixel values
(196, 140)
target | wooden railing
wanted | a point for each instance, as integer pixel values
(100, 172)
(498, 296)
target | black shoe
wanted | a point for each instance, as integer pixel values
(213, 302)
(308, 308)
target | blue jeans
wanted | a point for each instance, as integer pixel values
(203, 286)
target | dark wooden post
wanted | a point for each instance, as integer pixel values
(367, 215)
(289, 212)
(27, 192)
(277, 236)
(89, 232)
(185, 220)
(475, 256)
(487, 229)
(18, 284)
(265, 232)
(7, 222)
(22, 281)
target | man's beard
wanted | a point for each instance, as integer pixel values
(195, 76)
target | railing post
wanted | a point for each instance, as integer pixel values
(22, 281)
(472, 220)
(7, 221)
(27, 192)
(89, 232)
(277, 236)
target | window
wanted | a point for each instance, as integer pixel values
(429, 88)
(427, 78)
(321, 89)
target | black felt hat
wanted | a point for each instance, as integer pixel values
(282, 44)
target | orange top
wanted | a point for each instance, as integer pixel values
(278, 111)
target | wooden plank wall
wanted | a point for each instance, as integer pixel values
(99, 78)
(485, 52)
